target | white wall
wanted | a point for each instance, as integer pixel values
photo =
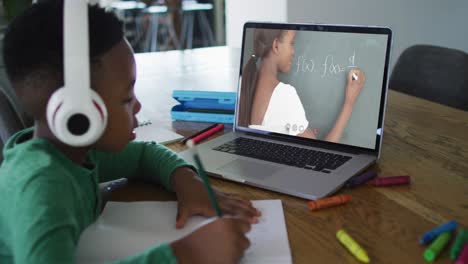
(240, 11)
(435, 22)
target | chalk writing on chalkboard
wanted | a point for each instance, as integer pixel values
(328, 67)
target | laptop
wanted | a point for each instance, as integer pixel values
(310, 108)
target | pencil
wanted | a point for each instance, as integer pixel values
(183, 141)
(201, 173)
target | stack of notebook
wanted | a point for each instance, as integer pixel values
(204, 106)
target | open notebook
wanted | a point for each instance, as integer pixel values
(126, 229)
(147, 131)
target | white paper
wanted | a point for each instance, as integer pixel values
(152, 132)
(126, 229)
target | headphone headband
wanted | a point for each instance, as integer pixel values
(76, 47)
(76, 114)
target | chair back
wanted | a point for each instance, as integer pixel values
(434, 73)
(10, 120)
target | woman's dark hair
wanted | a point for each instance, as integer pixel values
(263, 41)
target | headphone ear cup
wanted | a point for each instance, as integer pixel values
(76, 124)
(100, 111)
(53, 105)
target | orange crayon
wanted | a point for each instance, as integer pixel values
(329, 202)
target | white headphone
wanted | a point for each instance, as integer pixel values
(76, 114)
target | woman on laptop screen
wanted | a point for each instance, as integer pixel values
(268, 104)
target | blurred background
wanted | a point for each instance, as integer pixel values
(160, 25)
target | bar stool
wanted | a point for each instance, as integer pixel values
(130, 13)
(156, 13)
(189, 10)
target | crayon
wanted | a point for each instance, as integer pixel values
(358, 180)
(208, 133)
(183, 141)
(432, 234)
(390, 181)
(352, 246)
(116, 184)
(328, 202)
(463, 258)
(436, 247)
(462, 238)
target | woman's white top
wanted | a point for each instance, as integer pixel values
(285, 113)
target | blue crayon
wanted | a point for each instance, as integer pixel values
(431, 235)
(361, 179)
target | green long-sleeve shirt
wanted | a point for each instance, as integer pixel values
(46, 200)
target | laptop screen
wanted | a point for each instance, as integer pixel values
(317, 82)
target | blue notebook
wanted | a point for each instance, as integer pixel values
(204, 106)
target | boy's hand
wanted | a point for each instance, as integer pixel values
(193, 199)
(221, 241)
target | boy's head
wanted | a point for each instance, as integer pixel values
(33, 54)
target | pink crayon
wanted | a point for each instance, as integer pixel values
(389, 181)
(463, 258)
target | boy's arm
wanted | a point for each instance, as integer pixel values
(144, 160)
(47, 223)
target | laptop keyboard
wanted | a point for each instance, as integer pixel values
(284, 154)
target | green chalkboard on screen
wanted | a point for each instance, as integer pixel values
(321, 63)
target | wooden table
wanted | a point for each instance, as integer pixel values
(425, 140)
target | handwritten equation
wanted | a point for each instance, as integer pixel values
(328, 67)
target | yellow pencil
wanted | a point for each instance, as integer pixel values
(352, 246)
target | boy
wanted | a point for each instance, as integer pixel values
(50, 190)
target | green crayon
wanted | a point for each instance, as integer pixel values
(436, 247)
(457, 246)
